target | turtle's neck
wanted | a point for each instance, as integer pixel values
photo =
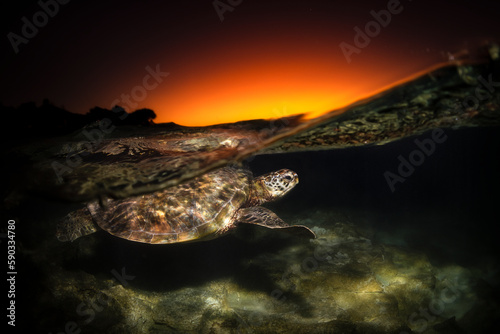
(258, 193)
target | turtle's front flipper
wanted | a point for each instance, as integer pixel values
(264, 217)
(74, 225)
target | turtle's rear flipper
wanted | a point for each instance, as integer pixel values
(264, 217)
(74, 225)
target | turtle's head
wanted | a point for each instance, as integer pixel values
(276, 184)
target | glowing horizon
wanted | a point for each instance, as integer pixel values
(271, 99)
(266, 60)
(250, 77)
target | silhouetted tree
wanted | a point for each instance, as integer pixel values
(47, 120)
(141, 117)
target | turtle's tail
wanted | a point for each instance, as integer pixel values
(76, 224)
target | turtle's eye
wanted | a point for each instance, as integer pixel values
(288, 177)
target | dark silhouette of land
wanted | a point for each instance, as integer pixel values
(47, 120)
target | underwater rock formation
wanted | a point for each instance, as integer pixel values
(340, 282)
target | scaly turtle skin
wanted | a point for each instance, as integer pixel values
(203, 208)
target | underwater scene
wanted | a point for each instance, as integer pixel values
(377, 218)
(258, 166)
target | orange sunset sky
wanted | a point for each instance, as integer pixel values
(262, 60)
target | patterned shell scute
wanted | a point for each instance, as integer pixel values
(192, 210)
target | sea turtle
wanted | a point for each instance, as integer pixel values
(204, 208)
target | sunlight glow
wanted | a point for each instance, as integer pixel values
(274, 81)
